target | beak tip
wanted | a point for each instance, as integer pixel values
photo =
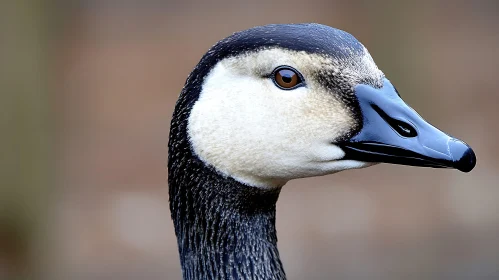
(467, 161)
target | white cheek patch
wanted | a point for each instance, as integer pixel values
(247, 128)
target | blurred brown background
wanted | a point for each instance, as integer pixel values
(87, 89)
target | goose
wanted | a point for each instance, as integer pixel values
(271, 104)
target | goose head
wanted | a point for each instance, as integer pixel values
(268, 105)
(280, 102)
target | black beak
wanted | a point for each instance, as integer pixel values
(392, 132)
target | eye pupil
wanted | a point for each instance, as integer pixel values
(286, 78)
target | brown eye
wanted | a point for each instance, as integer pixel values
(287, 78)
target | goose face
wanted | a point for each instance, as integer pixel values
(283, 106)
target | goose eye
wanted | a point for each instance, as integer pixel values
(287, 78)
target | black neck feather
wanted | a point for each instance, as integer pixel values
(225, 231)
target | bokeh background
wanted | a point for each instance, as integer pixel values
(87, 90)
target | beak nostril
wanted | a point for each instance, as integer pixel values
(402, 128)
